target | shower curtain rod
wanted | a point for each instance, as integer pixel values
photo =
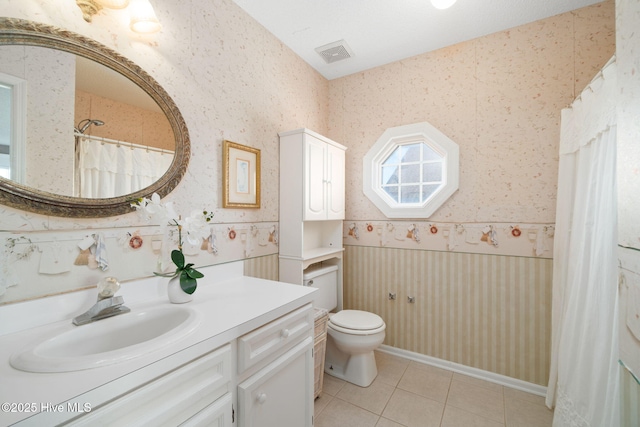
(125, 143)
(600, 74)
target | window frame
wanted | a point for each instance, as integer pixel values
(17, 126)
(395, 137)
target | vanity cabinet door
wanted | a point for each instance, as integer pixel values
(218, 414)
(281, 394)
(171, 399)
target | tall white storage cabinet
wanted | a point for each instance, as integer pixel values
(312, 185)
(323, 178)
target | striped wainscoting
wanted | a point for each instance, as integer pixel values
(485, 311)
(264, 267)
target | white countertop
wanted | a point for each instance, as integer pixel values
(230, 305)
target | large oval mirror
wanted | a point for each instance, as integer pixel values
(83, 130)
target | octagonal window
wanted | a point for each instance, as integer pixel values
(411, 171)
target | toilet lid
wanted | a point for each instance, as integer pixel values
(357, 320)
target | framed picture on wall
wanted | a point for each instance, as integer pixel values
(241, 179)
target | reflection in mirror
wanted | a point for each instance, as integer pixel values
(5, 129)
(12, 114)
(95, 131)
(124, 142)
(127, 149)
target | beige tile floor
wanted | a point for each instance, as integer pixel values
(407, 393)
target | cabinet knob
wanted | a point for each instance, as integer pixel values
(261, 398)
(285, 333)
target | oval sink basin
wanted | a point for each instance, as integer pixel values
(107, 341)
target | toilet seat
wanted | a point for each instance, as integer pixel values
(356, 322)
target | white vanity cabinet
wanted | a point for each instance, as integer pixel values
(275, 373)
(274, 380)
(249, 362)
(269, 370)
(196, 394)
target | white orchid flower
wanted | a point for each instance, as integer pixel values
(195, 227)
(155, 208)
(140, 206)
(170, 212)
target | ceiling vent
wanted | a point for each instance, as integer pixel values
(334, 52)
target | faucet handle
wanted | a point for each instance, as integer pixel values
(107, 287)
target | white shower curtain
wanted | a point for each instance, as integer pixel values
(109, 170)
(583, 383)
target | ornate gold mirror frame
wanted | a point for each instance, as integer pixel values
(22, 32)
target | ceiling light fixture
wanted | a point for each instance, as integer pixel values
(442, 4)
(143, 19)
(91, 7)
(114, 4)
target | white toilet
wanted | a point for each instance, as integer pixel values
(352, 335)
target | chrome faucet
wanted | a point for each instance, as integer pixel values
(107, 305)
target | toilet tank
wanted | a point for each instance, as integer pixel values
(325, 279)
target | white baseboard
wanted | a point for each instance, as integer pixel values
(467, 370)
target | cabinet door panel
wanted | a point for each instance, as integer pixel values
(314, 192)
(335, 182)
(218, 414)
(281, 394)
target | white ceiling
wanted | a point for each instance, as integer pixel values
(383, 31)
(100, 80)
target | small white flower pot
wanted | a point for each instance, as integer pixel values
(175, 292)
